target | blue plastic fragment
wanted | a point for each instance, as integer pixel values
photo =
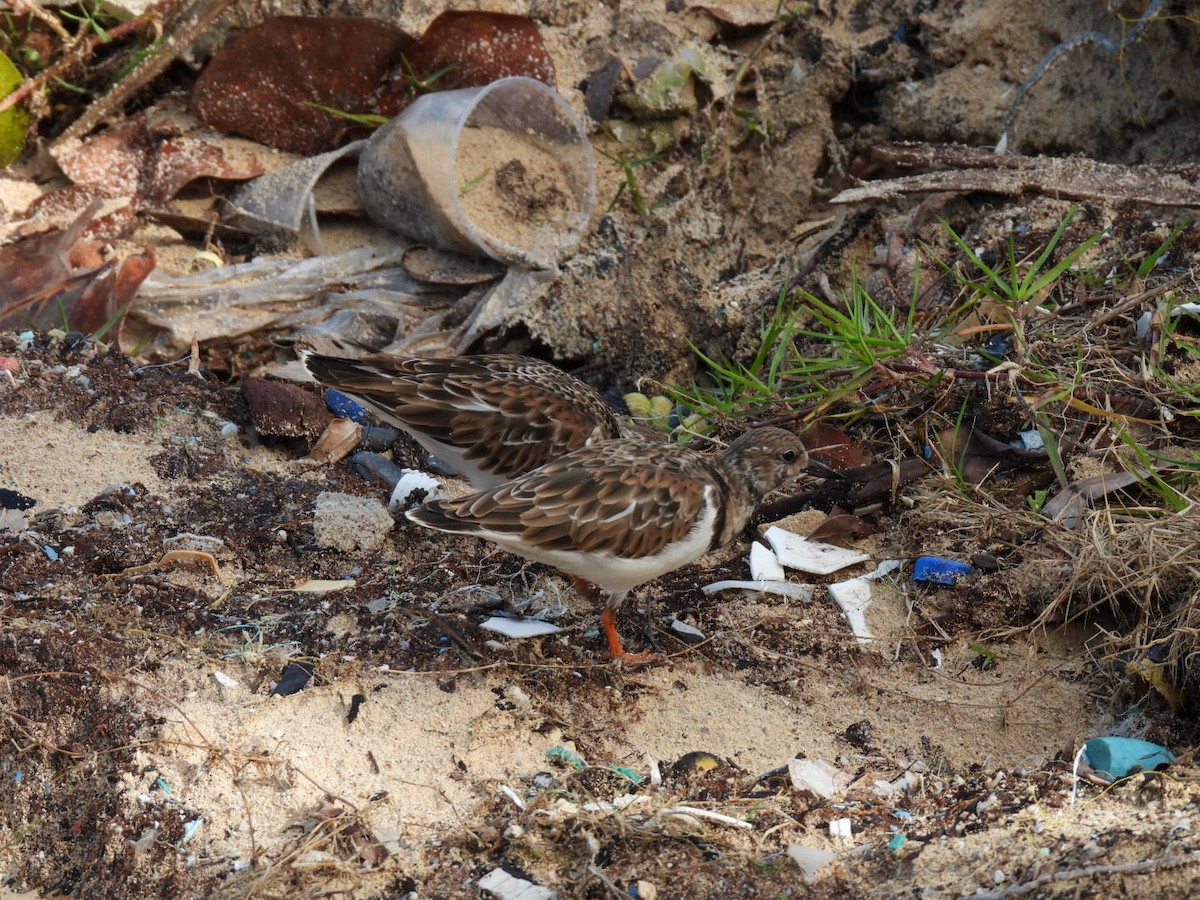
(189, 830)
(345, 408)
(897, 842)
(19, 776)
(162, 785)
(936, 570)
(1029, 440)
(50, 552)
(1116, 757)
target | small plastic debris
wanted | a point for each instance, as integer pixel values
(190, 829)
(295, 676)
(801, 592)
(897, 842)
(796, 552)
(505, 886)
(145, 843)
(566, 757)
(346, 522)
(321, 586)
(224, 680)
(344, 407)
(1029, 440)
(818, 776)
(936, 570)
(50, 552)
(519, 628)
(408, 172)
(853, 597)
(841, 830)
(410, 482)
(1117, 757)
(809, 859)
(687, 633)
(628, 773)
(764, 565)
(513, 796)
(887, 567)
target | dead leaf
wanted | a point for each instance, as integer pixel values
(478, 48)
(834, 447)
(1068, 505)
(840, 525)
(977, 455)
(259, 84)
(59, 279)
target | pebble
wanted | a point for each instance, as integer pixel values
(346, 522)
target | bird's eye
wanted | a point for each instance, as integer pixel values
(788, 456)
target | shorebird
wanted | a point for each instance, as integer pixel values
(490, 418)
(622, 512)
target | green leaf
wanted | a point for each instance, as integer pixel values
(14, 122)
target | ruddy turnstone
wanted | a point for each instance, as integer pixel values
(490, 418)
(623, 512)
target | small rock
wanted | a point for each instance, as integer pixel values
(346, 522)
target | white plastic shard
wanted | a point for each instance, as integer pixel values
(853, 597)
(519, 628)
(801, 592)
(804, 555)
(506, 886)
(809, 859)
(410, 482)
(764, 565)
(818, 776)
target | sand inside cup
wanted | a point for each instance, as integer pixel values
(515, 187)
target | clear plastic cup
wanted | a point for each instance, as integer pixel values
(505, 170)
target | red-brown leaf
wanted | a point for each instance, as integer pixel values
(258, 83)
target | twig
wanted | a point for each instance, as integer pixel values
(192, 22)
(70, 61)
(705, 814)
(1134, 868)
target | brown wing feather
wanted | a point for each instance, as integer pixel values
(628, 498)
(511, 412)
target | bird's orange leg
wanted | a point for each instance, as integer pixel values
(608, 619)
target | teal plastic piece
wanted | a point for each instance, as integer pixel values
(1116, 757)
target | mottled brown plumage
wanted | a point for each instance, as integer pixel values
(620, 513)
(491, 418)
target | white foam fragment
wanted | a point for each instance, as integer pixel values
(841, 830)
(506, 886)
(809, 859)
(519, 628)
(764, 564)
(853, 597)
(801, 592)
(822, 778)
(815, 558)
(410, 482)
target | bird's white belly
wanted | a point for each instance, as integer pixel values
(620, 574)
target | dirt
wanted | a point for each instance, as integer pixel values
(144, 754)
